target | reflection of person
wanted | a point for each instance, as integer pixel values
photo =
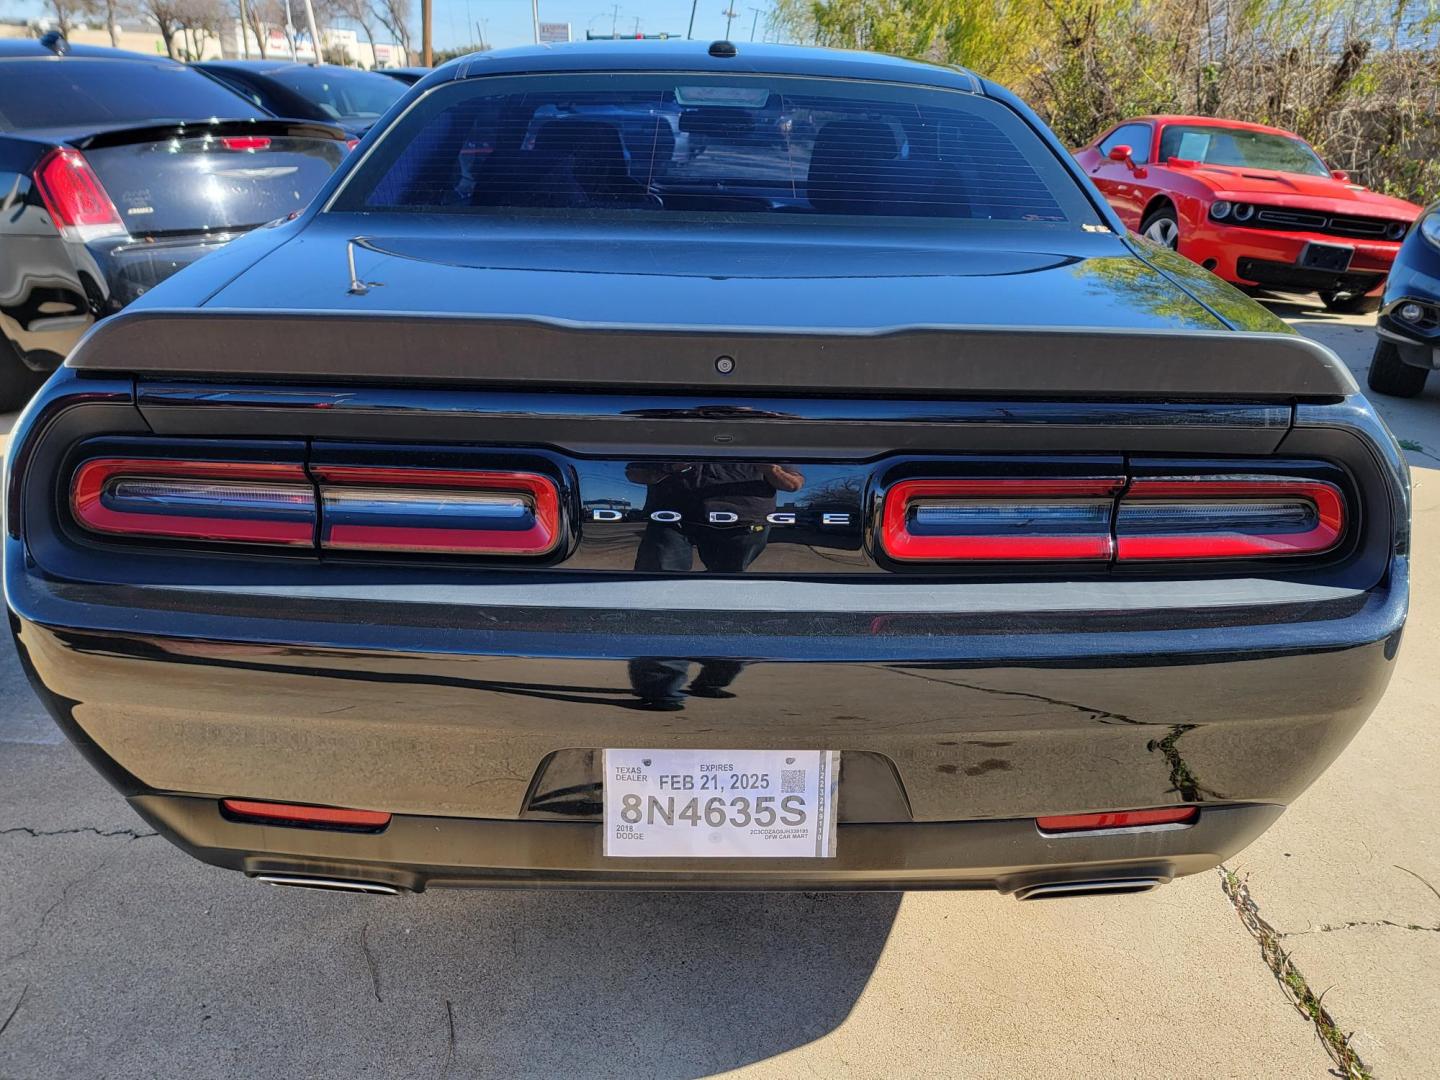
(722, 509)
(659, 682)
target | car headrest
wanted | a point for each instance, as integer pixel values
(846, 164)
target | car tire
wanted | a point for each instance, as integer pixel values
(1391, 375)
(17, 381)
(1345, 303)
(1162, 226)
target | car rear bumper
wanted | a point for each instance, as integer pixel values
(1266, 257)
(415, 853)
(953, 740)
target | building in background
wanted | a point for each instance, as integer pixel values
(341, 46)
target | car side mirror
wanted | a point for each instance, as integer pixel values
(1122, 153)
(1341, 175)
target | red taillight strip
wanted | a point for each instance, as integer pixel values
(1118, 819)
(94, 477)
(272, 813)
(245, 142)
(368, 494)
(1213, 540)
(1025, 495)
(74, 197)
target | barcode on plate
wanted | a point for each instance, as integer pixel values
(792, 781)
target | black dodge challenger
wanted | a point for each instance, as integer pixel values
(706, 466)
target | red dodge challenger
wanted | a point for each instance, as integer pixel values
(1253, 204)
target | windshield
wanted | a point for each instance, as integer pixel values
(1240, 148)
(76, 92)
(715, 145)
(341, 94)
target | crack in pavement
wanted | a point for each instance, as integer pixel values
(1291, 982)
(15, 1008)
(370, 961)
(54, 905)
(450, 1050)
(133, 834)
(1330, 928)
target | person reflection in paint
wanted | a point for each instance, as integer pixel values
(720, 511)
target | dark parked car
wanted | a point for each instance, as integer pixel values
(1409, 321)
(116, 170)
(349, 97)
(859, 510)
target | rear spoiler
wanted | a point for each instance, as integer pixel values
(157, 131)
(1047, 362)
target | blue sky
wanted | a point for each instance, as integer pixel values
(507, 22)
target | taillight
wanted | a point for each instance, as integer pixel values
(245, 142)
(1167, 817)
(438, 510)
(75, 198)
(999, 519)
(296, 814)
(450, 511)
(222, 501)
(1222, 518)
(1103, 519)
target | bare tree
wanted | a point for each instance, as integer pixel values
(66, 13)
(360, 11)
(114, 11)
(394, 15)
(166, 16)
(200, 21)
(264, 16)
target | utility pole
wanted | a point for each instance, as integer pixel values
(614, 18)
(427, 50)
(314, 32)
(535, 18)
(691, 32)
(755, 21)
(730, 13)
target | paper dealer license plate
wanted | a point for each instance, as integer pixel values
(720, 804)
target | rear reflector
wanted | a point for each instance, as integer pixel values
(999, 519)
(225, 501)
(1120, 819)
(1212, 518)
(438, 510)
(314, 816)
(74, 197)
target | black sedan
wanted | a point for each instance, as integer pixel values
(116, 170)
(339, 95)
(1409, 321)
(859, 507)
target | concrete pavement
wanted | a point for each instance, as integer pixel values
(120, 957)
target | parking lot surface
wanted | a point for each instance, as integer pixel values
(120, 957)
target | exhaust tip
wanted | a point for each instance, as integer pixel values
(1109, 886)
(296, 881)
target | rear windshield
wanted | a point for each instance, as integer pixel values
(341, 94)
(1240, 148)
(714, 145)
(76, 92)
